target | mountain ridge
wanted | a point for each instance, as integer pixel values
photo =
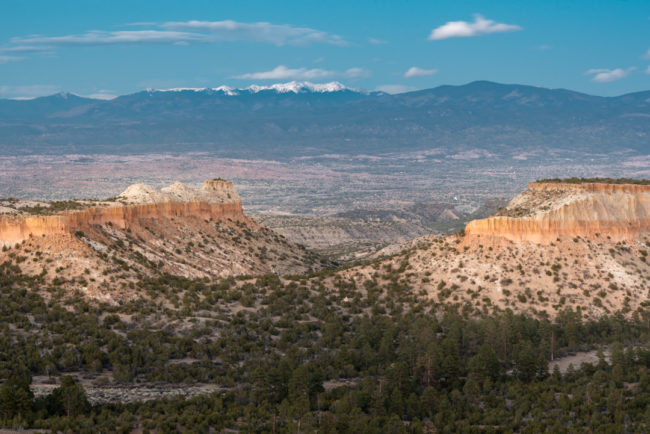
(288, 120)
(296, 86)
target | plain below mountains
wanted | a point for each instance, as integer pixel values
(361, 233)
(293, 119)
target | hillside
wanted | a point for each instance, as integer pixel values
(104, 247)
(447, 334)
(276, 121)
(555, 246)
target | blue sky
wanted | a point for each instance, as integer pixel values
(106, 48)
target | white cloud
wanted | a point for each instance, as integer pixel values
(394, 88)
(462, 29)
(607, 75)
(647, 71)
(376, 41)
(277, 34)
(21, 49)
(646, 55)
(544, 47)
(28, 91)
(103, 94)
(97, 37)
(281, 72)
(414, 71)
(182, 33)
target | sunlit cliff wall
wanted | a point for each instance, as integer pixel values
(218, 201)
(621, 212)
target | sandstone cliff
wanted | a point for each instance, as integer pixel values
(217, 200)
(554, 247)
(104, 248)
(546, 212)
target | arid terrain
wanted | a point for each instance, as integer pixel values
(324, 217)
(176, 295)
(104, 247)
(359, 234)
(578, 246)
(554, 246)
(343, 206)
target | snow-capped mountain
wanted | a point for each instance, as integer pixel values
(302, 117)
(226, 90)
(302, 86)
(290, 87)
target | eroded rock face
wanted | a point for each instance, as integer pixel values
(105, 248)
(216, 200)
(215, 191)
(546, 212)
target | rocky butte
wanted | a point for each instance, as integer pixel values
(547, 211)
(557, 246)
(103, 248)
(217, 199)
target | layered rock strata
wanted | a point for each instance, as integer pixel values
(217, 200)
(548, 211)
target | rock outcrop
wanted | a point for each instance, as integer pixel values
(104, 248)
(548, 211)
(216, 200)
(214, 191)
(554, 248)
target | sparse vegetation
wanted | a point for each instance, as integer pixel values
(575, 180)
(301, 355)
(439, 336)
(54, 207)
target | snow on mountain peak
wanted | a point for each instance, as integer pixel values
(65, 95)
(300, 86)
(226, 89)
(290, 87)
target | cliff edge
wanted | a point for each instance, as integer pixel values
(548, 211)
(578, 246)
(217, 199)
(104, 248)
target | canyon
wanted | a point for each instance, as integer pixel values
(555, 246)
(175, 293)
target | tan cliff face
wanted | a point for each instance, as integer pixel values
(105, 248)
(546, 212)
(221, 188)
(555, 247)
(16, 229)
(216, 200)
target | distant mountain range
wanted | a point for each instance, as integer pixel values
(290, 119)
